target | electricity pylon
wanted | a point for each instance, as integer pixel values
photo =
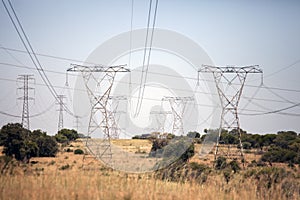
(178, 105)
(112, 115)
(77, 122)
(26, 81)
(61, 111)
(230, 95)
(99, 98)
(160, 117)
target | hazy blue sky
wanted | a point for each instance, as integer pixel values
(231, 32)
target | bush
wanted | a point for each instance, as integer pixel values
(220, 163)
(47, 146)
(246, 145)
(277, 154)
(227, 175)
(181, 148)
(78, 151)
(24, 144)
(197, 166)
(66, 136)
(194, 134)
(14, 139)
(234, 166)
(157, 145)
(64, 167)
(68, 150)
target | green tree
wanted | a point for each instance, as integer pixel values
(16, 142)
(268, 139)
(24, 144)
(47, 146)
(285, 138)
(66, 135)
(229, 138)
(246, 145)
(193, 134)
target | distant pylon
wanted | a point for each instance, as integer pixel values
(99, 118)
(26, 81)
(160, 117)
(77, 122)
(61, 111)
(234, 79)
(178, 105)
(113, 118)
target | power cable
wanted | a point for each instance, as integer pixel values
(144, 79)
(31, 116)
(157, 73)
(199, 92)
(279, 111)
(282, 69)
(33, 58)
(131, 28)
(144, 60)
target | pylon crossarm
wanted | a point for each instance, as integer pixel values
(230, 69)
(97, 68)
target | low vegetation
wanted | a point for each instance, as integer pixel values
(23, 144)
(271, 173)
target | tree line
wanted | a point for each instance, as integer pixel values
(282, 147)
(23, 144)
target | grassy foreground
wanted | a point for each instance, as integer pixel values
(68, 177)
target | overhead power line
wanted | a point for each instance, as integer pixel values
(31, 116)
(274, 111)
(176, 89)
(29, 49)
(157, 73)
(145, 68)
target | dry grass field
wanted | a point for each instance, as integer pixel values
(69, 176)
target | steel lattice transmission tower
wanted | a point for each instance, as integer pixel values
(113, 115)
(61, 111)
(178, 105)
(99, 98)
(160, 117)
(230, 95)
(77, 122)
(26, 80)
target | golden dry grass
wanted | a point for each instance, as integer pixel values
(89, 179)
(111, 185)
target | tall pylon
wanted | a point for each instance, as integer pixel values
(113, 115)
(61, 110)
(99, 98)
(230, 94)
(26, 80)
(178, 105)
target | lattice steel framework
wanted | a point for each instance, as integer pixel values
(61, 110)
(114, 115)
(178, 105)
(26, 81)
(230, 95)
(160, 117)
(99, 105)
(77, 122)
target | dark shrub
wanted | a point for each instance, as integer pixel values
(78, 151)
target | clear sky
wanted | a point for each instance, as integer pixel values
(231, 32)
